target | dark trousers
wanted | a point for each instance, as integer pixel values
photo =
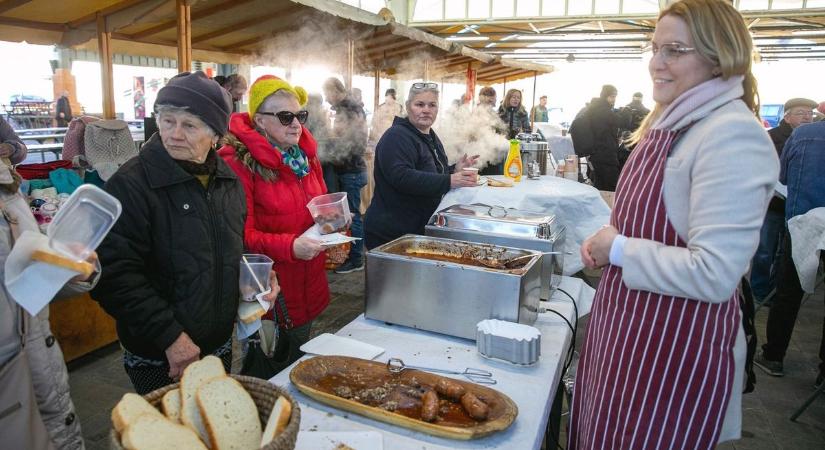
(351, 183)
(765, 261)
(604, 176)
(147, 378)
(786, 303)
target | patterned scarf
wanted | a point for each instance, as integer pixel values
(295, 158)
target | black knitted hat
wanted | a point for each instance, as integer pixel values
(608, 90)
(201, 96)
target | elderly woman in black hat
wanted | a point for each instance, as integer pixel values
(172, 259)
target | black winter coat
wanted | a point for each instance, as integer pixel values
(172, 260)
(349, 137)
(411, 175)
(515, 119)
(604, 131)
(779, 135)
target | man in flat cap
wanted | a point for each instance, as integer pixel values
(797, 112)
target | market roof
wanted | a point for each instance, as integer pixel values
(257, 31)
(602, 30)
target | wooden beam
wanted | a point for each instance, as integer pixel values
(11, 4)
(377, 78)
(104, 51)
(184, 11)
(117, 7)
(45, 26)
(238, 26)
(199, 14)
(391, 49)
(350, 69)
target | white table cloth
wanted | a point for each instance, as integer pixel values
(531, 388)
(579, 207)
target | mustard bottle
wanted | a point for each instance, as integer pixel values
(512, 165)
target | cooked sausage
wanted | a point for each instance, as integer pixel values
(429, 406)
(449, 389)
(474, 406)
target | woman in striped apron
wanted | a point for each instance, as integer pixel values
(663, 362)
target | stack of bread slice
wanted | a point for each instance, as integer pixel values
(210, 410)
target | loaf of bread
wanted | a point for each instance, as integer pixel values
(84, 268)
(129, 408)
(229, 414)
(194, 376)
(278, 420)
(152, 432)
(171, 405)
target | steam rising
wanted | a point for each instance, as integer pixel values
(463, 130)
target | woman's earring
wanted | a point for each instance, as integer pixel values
(716, 72)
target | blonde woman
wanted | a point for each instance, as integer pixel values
(663, 361)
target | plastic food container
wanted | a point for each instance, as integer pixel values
(83, 221)
(330, 212)
(254, 278)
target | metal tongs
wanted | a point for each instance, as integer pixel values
(396, 365)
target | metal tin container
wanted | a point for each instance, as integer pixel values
(440, 285)
(506, 227)
(534, 148)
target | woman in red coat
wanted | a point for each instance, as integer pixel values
(276, 159)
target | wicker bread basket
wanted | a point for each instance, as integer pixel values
(263, 393)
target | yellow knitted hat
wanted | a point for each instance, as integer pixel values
(267, 85)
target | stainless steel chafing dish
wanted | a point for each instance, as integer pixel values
(446, 286)
(505, 227)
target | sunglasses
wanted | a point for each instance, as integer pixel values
(425, 85)
(286, 117)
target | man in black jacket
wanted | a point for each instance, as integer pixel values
(347, 145)
(595, 133)
(798, 111)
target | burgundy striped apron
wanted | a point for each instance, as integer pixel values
(656, 370)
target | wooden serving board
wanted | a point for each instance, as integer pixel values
(391, 397)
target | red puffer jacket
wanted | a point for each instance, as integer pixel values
(277, 214)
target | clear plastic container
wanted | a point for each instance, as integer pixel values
(254, 278)
(330, 212)
(83, 221)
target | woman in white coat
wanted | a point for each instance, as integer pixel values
(663, 362)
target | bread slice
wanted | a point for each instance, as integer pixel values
(83, 267)
(230, 415)
(249, 312)
(194, 376)
(129, 408)
(171, 405)
(151, 432)
(278, 420)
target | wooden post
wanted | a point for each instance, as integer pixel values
(350, 69)
(377, 95)
(184, 35)
(427, 70)
(532, 122)
(104, 50)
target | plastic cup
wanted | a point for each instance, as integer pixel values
(254, 277)
(330, 212)
(471, 171)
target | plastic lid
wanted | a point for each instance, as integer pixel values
(83, 221)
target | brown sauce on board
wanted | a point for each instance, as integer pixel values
(394, 393)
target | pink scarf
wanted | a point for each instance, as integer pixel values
(715, 90)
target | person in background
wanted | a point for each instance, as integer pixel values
(411, 171)
(819, 112)
(663, 362)
(384, 115)
(358, 96)
(539, 112)
(595, 133)
(633, 113)
(236, 85)
(349, 141)
(763, 266)
(173, 257)
(802, 168)
(513, 114)
(63, 110)
(487, 98)
(319, 125)
(11, 146)
(276, 159)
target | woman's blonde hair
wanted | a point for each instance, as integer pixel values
(719, 35)
(506, 102)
